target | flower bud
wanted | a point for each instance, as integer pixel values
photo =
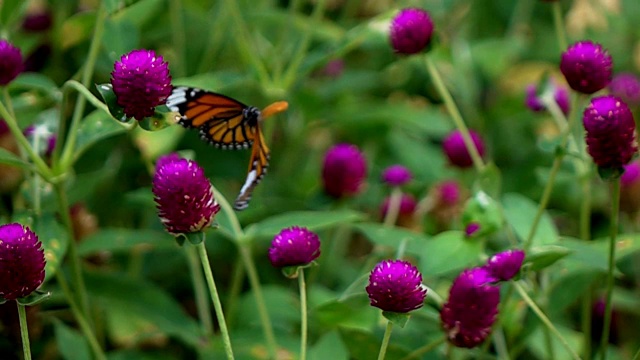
(411, 31)
(396, 286)
(344, 170)
(586, 66)
(295, 246)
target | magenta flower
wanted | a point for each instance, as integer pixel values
(411, 31)
(631, 174)
(184, 196)
(141, 81)
(164, 159)
(586, 66)
(610, 133)
(21, 261)
(344, 170)
(46, 139)
(505, 265)
(295, 246)
(37, 21)
(396, 175)
(560, 95)
(456, 151)
(10, 62)
(626, 86)
(472, 308)
(407, 205)
(471, 229)
(396, 286)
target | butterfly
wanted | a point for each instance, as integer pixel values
(227, 123)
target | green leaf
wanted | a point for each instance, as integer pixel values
(314, 220)
(141, 12)
(585, 255)
(11, 10)
(143, 301)
(109, 97)
(34, 298)
(77, 28)
(399, 319)
(448, 252)
(123, 240)
(569, 288)
(520, 212)
(95, 127)
(490, 180)
(120, 36)
(37, 81)
(55, 241)
(541, 257)
(71, 344)
(9, 158)
(329, 346)
(390, 236)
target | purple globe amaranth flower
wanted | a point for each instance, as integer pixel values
(610, 132)
(505, 265)
(396, 175)
(45, 138)
(631, 174)
(472, 308)
(411, 31)
(37, 21)
(456, 150)
(407, 205)
(586, 66)
(11, 64)
(184, 196)
(21, 261)
(141, 81)
(534, 102)
(626, 86)
(396, 286)
(344, 170)
(295, 246)
(471, 229)
(164, 159)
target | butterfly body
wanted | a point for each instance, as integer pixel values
(226, 123)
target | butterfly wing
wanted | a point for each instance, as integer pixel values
(258, 165)
(219, 118)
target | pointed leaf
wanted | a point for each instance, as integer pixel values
(72, 345)
(314, 220)
(9, 158)
(448, 252)
(390, 236)
(95, 127)
(520, 211)
(122, 240)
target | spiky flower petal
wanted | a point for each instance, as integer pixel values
(586, 66)
(411, 31)
(11, 64)
(295, 246)
(505, 265)
(396, 286)
(21, 261)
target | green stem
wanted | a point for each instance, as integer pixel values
(226, 208)
(586, 324)
(585, 208)
(395, 200)
(24, 331)
(385, 341)
(558, 22)
(252, 273)
(294, 65)
(80, 318)
(234, 290)
(415, 354)
(294, 5)
(637, 355)
(200, 292)
(478, 163)
(303, 315)
(40, 166)
(615, 210)
(87, 73)
(217, 306)
(76, 268)
(500, 343)
(179, 37)
(545, 320)
(7, 99)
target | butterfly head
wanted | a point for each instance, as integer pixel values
(251, 115)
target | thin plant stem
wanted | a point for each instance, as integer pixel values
(234, 290)
(637, 355)
(87, 73)
(7, 100)
(298, 57)
(178, 36)
(200, 292)
(586, 324)
(217, 305)
(24, 331)
(303, 314)
(385, 341)
(218, 20)
(40, 166)
(478, 163)
(615, 210)
(500, 343)
(76, 268)
(80, 318)
(558, 22)
(294, 5)
(395, 200)
(545, 320)
(585, 208)
(252, 273)
(415, 354)
(231, 215)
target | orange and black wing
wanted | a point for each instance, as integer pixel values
(258, 165)
(221, 120)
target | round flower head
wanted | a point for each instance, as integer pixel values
(37, 21)
(10, 62)
(295, 246)
(407, 205)
(411, 31)
(586, 66)
(396, 175)
(627, 87)
(164, 159)
(456, 151)
(184, 196)
(21, 261)
(631, 174)
(471, 229)
(141, 81)
(344, 170)
(46, 139)
(610, 132)
(396, 286)
(472, 308)
(505, 265)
